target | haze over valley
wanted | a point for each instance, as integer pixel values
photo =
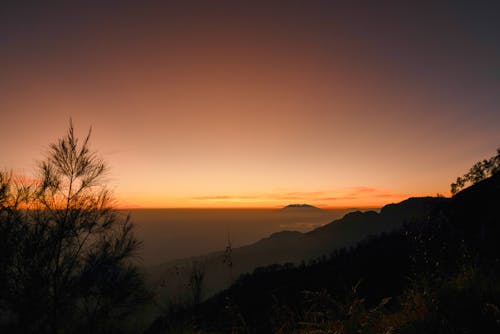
(170, 234)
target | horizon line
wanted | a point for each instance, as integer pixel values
(242, 207)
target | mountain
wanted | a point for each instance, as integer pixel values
(295, 247)
(435, 269)
(297, 207)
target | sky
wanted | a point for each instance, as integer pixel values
(255, 103)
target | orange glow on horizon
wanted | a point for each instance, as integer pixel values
(253, 105)
(361, 199)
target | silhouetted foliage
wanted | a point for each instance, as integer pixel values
(480, 171)
(66, 253)
(196, 279)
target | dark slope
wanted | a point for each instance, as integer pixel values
(294, 247)
(448, 245)
(476, 212)
(344, 232)
(479, 200)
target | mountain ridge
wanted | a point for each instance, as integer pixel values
(442, 252)
(303, 206)
(293, 246)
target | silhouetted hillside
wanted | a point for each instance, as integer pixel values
(436, 271)
(479, 200)
(295, 247)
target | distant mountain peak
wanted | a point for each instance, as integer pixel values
(300, 206)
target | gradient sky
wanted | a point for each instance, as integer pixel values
(256, 104)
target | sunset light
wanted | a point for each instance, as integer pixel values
(252, 104)
(249, 167)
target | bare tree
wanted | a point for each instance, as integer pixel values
(71, 267)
